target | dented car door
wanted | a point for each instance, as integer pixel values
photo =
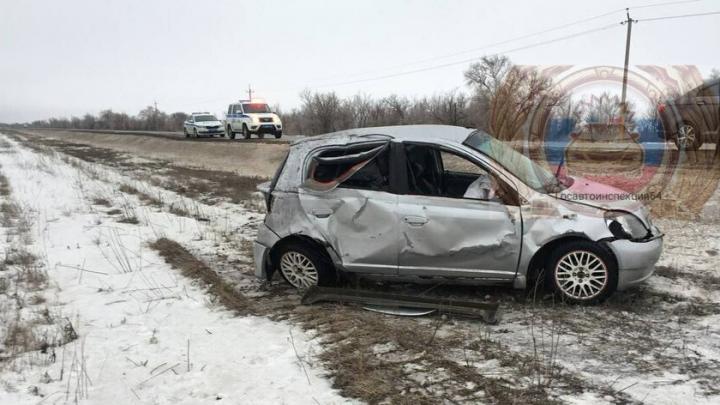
(445, 228)
(458, 237)
(348, 199)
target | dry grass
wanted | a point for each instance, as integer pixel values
(129, 220)
(206, 185)
(20, 338)
(102, 201)
(4, 186)
(256, 158)
(144, 197)
(178, 257)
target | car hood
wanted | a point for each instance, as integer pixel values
(599, 195)
(209, 124)
(265, 115)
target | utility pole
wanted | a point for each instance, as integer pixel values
(249, 92)
(623, 100)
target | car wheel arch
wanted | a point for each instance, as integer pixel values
(540, 257)
(304, 240)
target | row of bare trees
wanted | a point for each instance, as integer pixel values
(148, 119)
(327, 112)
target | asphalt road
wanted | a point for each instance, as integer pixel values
(181, 137)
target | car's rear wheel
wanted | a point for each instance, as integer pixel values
(230, 133)
(582, 272)
(246, 132)
(303, 266)
(688, 137)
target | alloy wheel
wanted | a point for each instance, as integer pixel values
(581, 275)
(298, 270)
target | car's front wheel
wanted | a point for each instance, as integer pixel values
(229, 132)
(304, 267)
(582, 272)
(278, 134)
(246, 132)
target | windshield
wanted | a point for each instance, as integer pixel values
(254, 108)
(532, 174)
(202, 118)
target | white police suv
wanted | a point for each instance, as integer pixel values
(252, 117)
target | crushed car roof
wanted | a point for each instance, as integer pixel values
(400, 133)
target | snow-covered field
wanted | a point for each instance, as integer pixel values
(147, 334)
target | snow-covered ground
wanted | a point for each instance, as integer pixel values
(145, 333)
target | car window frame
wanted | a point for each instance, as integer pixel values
(403, 187)
(393, 179)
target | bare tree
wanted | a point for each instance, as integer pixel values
(507, 95)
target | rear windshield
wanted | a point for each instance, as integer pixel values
(201, 118)
(255, 108)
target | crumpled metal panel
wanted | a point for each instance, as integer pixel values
(460, 237)
(360, 225)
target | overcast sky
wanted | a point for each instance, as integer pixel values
(62, 58)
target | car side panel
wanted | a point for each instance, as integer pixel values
(360, 225)
(458, 237)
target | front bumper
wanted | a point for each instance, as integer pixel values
(219, 130)
(636, 260)
(266, 128)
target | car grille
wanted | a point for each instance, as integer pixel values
(214, 128)
(265, 119)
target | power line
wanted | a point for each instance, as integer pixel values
(486, 46)
(669, 3)
(671, 17)
(525, 36)
(464, 61)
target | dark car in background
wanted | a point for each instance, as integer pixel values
(693, 118)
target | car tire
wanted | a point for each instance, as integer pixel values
(260, 135)
(278, 135)
(304, 266)
(246, 132)
(688, 137)
(582, 272)
(230, 133)
(187, 134)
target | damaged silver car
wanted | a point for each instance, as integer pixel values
(442, 203)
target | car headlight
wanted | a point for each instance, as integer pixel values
(624, 225)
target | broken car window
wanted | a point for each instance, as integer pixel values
(357, 166)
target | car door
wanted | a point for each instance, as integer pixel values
(348, 199)
(447, 227)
